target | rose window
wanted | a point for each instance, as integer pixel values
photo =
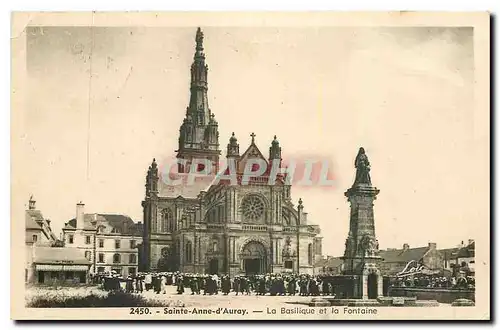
(253, 208)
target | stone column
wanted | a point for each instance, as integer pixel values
(364, 286)
(278, 251)
(380, 285)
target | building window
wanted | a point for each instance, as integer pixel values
(100, 269)
(70, 239)
(132, 259)
(289, 264)
(101, 243)
(188, 254)
(214, 247)
(310, 254)
(116, 258)
(87, 239)
(117, 244)
(35, 238)
(101, 257)
(87, 255)
(117, 270)
(132, 244)
(131, 271)
(167, 221)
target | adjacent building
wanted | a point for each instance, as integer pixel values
(329, 265)
(396, 260)
(110, 242)
(461, 258)
(465, 256)
(209, 226)
(47, 260)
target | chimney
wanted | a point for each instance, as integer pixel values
(79, 214)
(470, 241)
(32, 203)
(406, 246)
(432, 246)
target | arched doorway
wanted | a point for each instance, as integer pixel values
(372, 286)
(254, 258)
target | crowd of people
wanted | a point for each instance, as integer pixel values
(426, 281)
(269, 284)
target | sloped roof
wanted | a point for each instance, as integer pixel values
(467, 251)
(122, 223)
(30, 222)
(333, 262)
(59, 255)
(34, 220)
(35, 214)
(403, 255)
(449, 253)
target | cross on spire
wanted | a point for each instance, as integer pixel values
(253, 137)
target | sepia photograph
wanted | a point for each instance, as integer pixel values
(273, 166)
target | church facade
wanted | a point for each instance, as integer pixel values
(210, 225)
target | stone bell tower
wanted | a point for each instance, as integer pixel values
(361, 254)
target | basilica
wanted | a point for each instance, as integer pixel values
(209, 226)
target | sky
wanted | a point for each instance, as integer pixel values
(103, 102)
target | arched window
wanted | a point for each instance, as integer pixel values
(310, 254)
(116, 258)
(215, 246)
(167, 221)
(188, 253)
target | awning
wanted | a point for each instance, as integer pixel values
(58, 268)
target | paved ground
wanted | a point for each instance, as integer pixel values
(241, 301)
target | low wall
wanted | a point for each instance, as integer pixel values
(446, 296)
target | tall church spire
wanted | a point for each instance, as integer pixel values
(198, 104)
(199, 133)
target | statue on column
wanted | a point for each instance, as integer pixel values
(362, 168)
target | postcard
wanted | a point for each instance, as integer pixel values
(250, 166)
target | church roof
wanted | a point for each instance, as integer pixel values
(59, 255)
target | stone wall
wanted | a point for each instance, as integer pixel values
(446, 296)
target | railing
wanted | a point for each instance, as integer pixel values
(254, 228)
(289, 229)
(215, 226)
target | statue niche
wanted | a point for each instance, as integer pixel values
(288, 252)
